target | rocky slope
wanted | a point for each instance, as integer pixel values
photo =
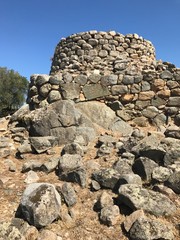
(114, 187)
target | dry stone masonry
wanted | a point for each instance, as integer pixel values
(121, 71)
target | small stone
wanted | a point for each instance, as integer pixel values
(32, 177)
(130, 220)
(105, 200)
(110, 215)
(69, 194)
(161, 174)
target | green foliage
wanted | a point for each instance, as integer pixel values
(13, 89)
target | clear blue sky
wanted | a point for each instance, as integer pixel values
(30, 29)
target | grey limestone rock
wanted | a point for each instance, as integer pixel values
(31, 165)
(69, 194)
(123, 166)
(137, 197)
(105, 200)
(144, 167)
(94, 91)
(161, 174)
(70, 162)
(42, 144)
(10, 232)
(110, 215)
(50, 165)
(107, 178)
(70, 91)
(174, 182)
(121, 126)
(40, 204)
(166, 75)
(53, 96)
(149, 229)
(72, 148)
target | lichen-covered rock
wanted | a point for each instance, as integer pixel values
(10, 232)
(40, 204)
(107, 178)
(148, 229)
(137, 197)
(110, 215)
(174, 182)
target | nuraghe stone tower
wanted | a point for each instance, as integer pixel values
(121, 71)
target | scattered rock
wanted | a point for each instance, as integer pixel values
(31, 177)
(107, 178)
(69, 194)
(130, 220)
(110, 215)
(145, 228)
(174, 182)
(137, 197)
(40, 204)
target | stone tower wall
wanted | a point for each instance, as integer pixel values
(119, 70)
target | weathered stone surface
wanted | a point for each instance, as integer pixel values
(137, 197)
(174, 182)
(48, 235)
(109, 80)
(119, 89)
(81, 79)
(50, 165)
(105, 149)
(123, 166)
(69, 194)
(44, 89)
(144, 167)
(107, 178)
(121, 127)
(10, 232)
(105, 200)
(173, 132)
(150, 112)
(161, 174)
(69, 162)
(174, 102)
(72, 148)
(42, 144)
(94, 78)
(53, 96)
(95, 91)
(70, 91)
(97, 112)
(42, 79)
(31, 177)
(110, 215)
(25, 147)
(166, 75)
(130, 220)
(130, 178)
(144, 96)
(40, 204)
(31, 165)
(147, 229)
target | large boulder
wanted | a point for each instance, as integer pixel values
(40, 204)
(70, 121)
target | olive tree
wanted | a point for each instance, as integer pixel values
(13, 90)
